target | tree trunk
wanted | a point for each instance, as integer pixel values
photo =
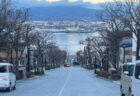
(17, 59)
(28, 58)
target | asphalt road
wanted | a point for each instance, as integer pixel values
(72, 81)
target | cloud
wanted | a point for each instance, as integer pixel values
(39, 0)
(97, 1)
(93, 1)
(52, 1)
(84, 1)
(73, 0)
(48, 0)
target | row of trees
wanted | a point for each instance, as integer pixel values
(55, 56)
(18, 34)
(13, 29)
(119, 18)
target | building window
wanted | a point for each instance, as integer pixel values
(128, 52)
(129, 60)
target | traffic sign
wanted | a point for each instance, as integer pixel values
(126, 45)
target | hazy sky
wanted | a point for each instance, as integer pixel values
(84, 1)
(90, 1)
(95, 4)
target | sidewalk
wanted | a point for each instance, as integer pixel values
(113, 81)
(31, 78)
(36, 76)
(117, 82)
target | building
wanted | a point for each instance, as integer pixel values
(8, 54)
(126, 53)
(134, 41)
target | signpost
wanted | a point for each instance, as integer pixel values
(125, 45)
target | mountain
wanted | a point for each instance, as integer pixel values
(64, 13)
(34, 3)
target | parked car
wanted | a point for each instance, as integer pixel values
(75, 63)
(66, 65)
(130, 79)
(7, 77)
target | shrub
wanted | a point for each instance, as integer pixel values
(19, 76)
(103, 74)
(29, 74)
(47, 68)
(116, 76)
(40, 72)
(57, 66)
(89, 67)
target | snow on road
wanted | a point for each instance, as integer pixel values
(73, 81)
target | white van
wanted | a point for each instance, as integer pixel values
(130, 79)
(7, 77)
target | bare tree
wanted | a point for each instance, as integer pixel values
(12, 28)
(19, 30)
(129, 16)
(42, 40)
(114, 27)
(5, 17)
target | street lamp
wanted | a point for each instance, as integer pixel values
(123, 46)
(137, 25)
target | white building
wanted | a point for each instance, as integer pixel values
(134, 41)
(126, 39)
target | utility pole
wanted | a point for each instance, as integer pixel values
(123, 46)
(137, 25)
(123, 55)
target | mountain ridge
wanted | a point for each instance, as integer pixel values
(77, 13)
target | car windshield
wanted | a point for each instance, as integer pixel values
(137, 72)
(3, 69)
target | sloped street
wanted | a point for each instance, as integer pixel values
(72, 81)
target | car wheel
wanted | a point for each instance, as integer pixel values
(120, 87)
(14, 88)
(9, 88)
(123, 94)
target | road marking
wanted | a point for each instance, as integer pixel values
(63, 87)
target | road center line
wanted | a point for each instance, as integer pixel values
(66, 81)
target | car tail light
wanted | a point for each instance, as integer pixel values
(7, 68)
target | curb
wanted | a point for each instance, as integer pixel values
(115, 82)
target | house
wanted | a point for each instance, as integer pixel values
(126, 38)
(8, 54)
(134, 41)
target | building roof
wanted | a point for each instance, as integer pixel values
(125, 34)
